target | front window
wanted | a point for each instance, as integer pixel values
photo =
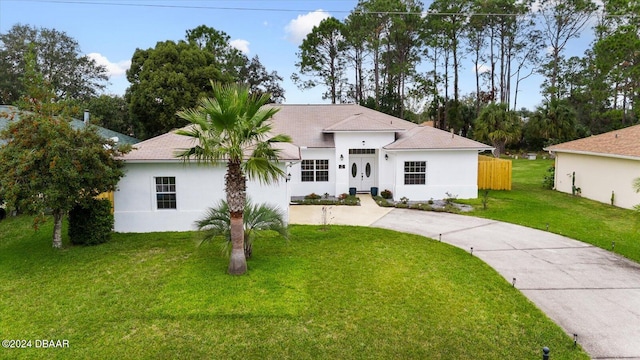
(315, 170)
(415, 172)
(166, 192)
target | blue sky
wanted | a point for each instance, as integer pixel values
(111, 30)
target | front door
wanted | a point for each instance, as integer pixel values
(362, 174)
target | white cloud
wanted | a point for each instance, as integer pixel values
(242, 45)
(113, 69)
(298, 28)
(481, 68)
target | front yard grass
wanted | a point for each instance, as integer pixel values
(345, 292)
(579, 218)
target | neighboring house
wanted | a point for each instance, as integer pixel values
(335, 148)
(10, 113)
(599, 166)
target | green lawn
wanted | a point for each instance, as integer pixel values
(344, 293)
(530, 205)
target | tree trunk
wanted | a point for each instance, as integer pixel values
(238, 261)
(236, 187)
(57, 228)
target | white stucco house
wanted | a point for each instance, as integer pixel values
(335, 149)
(603, 165)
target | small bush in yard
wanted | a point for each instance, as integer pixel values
(386, 194)
(312, 196)
(91, 224)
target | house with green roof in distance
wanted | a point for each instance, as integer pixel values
(9, 113)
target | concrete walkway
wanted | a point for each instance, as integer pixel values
(363, 215)
(586, 290)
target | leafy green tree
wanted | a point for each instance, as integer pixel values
(563, 20)
(174, 75)
(234, 126)
(452, 25)
(389, 32)
(256, 218)
(45, 164)
(111, 112)
(555, 122)
(261, 81)
(57, 58)
(322, 57)
(498, 125)
(165, 79)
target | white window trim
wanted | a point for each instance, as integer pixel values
(405, 173)
(155, 192)
(315, 170)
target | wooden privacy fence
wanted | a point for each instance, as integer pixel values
(493, 173)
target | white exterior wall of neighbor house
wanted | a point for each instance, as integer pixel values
(453, 172)
(197, 188)
(598, 176)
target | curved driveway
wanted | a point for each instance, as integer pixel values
(586, 290)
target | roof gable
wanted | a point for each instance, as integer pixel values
(362, 122)
(312, 125)
(430, 138)
(618, 143)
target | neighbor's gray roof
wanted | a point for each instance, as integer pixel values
(623, 143)
(10, 113)
(430, 138)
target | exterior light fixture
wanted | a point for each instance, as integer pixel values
(341, 157)
(386, 156)
(288, 178)
(362, 142)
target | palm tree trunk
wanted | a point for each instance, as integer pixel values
(57, 228)
(236, 186)
(238, 261)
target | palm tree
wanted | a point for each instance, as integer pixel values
(555, 122)
(257, 218)
(233, 126)
(498, 125)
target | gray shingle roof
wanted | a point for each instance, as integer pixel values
(430, 138)
(164, 147)
(313, 126)
(310, 125)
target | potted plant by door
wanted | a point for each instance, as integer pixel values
(374, 191)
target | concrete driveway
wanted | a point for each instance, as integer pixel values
(586, 290)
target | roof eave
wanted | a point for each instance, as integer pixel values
(329, 131)
(441, 149)
(591, 153)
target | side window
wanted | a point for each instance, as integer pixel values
(415, 172)
(166, 192)
(314, 170)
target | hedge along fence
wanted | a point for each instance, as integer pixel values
(108, 196)
(493, 173)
